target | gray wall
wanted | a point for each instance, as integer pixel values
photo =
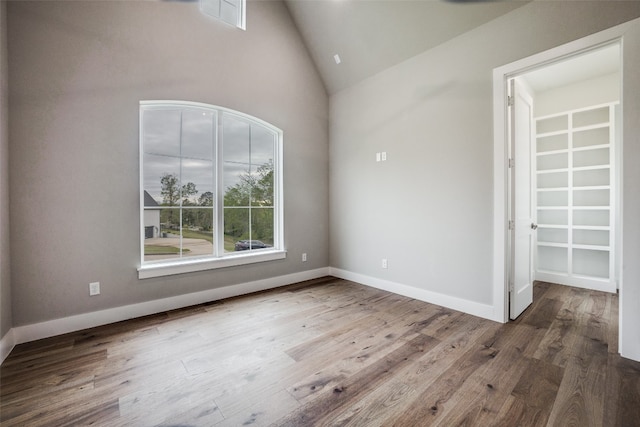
(429, 208)
(78, 71)
(5, 272)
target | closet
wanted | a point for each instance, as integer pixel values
(575, 197)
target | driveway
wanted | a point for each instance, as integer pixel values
(196, 247)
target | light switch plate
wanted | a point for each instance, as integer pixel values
(94, 288)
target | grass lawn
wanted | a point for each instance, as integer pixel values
(190, 234)
(162, 250)
(229, 243)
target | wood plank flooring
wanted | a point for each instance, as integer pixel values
(331, 352)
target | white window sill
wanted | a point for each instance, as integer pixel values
(192, 265)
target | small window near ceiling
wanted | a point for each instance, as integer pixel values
(230, 11)
(210, 188)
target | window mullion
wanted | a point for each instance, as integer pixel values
(180, 184)
(219, 174)
(251, 180)
(163, 153)
(214, 185)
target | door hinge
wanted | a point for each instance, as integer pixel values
(510, 101)
(511, 163)
(511, 287)
(512, 224)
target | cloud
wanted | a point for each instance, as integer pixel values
(182, 141)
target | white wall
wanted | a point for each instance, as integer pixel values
(429, 208)
(78, 71)
(582, 94)
(630, 291)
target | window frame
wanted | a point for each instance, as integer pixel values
(219, 259)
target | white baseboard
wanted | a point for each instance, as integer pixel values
(22, 334)
(6, 345)
(579, 282)
(476, 309)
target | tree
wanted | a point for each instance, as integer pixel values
(205, 216)
(188, 190)
(254, 189)
(252, 198)
(206, 199)
(171, 193)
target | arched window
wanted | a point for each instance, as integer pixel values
(210, 188)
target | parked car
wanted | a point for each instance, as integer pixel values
(244, 245)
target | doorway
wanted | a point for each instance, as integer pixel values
(563, 176)
(586, 237)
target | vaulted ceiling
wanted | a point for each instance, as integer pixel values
(372, 35)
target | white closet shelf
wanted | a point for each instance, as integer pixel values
(575, 182)
(590, 168)
(541, 172)
(553, 244)
(591, 208)
(593, 247)
(550, 152)
(589, 127)
(559, 273)
(592, 147)
(592, 187)
(591, 227)
(552, 133)
(594, 278)
(549, 189)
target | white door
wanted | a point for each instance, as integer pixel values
(521, 272)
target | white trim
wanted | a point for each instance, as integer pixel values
(500, 77)
(602, 285)
(218, 259)
(6, 345)
(190, 265)
(470, 307)
(22, 334)
(500, 209)
(214, 10)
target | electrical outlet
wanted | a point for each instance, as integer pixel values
(304, 257)
(384, 263)
(94, 288)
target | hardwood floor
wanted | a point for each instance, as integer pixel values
(332, 353)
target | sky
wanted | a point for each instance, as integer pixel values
(182, 141)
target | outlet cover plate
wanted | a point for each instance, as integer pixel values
(94, 288)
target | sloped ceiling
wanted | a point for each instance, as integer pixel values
(372, 35)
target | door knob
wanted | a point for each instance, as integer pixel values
(534, 226)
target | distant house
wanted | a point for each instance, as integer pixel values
(151, 217)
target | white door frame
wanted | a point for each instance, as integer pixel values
(501, 75)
